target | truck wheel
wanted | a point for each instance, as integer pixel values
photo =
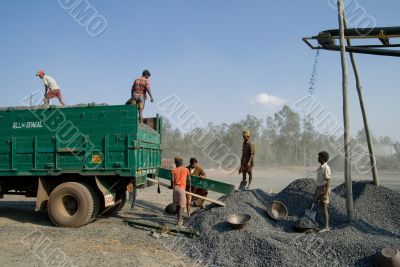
(73, 205)
(97, 201)
(120, 195)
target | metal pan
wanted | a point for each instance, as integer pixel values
(238, 220)
(389, 257)
(277, 210)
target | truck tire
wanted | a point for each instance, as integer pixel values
(120, 195)
(73, 204)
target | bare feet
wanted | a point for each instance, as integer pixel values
(324, 230)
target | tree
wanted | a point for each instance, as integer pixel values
(361, 137)
(253, 124)
(271, 136)
(172, 138)
(282, 140)
(288, 123)
(307, 139)
(385, 140)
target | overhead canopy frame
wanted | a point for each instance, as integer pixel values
(387, 37)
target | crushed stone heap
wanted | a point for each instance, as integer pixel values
(269, 243)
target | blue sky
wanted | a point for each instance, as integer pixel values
(216, 55)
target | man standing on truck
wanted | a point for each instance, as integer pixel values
(180, 175)
(140, 89)
(51, 87)
(247, 162)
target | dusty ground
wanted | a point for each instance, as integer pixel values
(29, 239)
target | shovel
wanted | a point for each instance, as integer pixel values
(310, 213)
(242, 185)
(158, 188)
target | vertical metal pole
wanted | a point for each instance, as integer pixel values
(35, 152)
(290, 154)
(364, 112)
(304, 152)
(346, 122)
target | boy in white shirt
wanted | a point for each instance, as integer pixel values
(323, 190)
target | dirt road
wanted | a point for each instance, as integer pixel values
(29, 239)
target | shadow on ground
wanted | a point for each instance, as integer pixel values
(24, 212)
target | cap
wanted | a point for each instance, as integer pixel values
(246, 133)
(40, 72)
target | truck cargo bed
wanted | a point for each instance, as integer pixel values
(86, 140)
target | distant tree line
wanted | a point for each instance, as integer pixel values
(284, 140)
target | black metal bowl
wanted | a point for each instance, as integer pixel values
(277, 210)
(387, 257)
(238, 220)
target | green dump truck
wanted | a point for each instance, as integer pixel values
(77, 161)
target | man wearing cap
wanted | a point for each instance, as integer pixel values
(247, 161)
(140, 89)
(51, 87)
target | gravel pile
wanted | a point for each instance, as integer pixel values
(306, 223)
(269, 243)
(298, 196)
(379, 206)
